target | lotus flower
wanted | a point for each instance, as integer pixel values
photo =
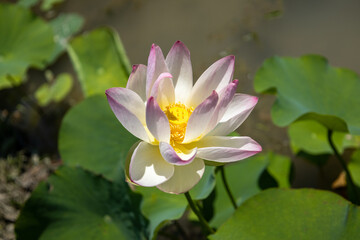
(182, 126)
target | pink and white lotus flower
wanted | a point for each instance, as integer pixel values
(181, 125)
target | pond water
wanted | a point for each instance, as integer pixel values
(252, 30)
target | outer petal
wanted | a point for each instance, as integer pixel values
(225, 97)
(129, 109)
(137, 81)
(216, 77)
(177, 158)
(156, 66)
(147, 167)
(156, 121)
(184, 178)
(200, 118)
(238, 110)
(227, 149)
(163, 90)
(179, 64)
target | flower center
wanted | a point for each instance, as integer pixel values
(178, 115)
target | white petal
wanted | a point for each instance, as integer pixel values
(216, 77)
(226, 149)
(156, 121)
(163, 90)
(179, 64)
(183, 157)
(129, 110)
(225, 97)
(137, 81)
(238, 110)
(200, 118)
(147, 167)
(156, 66)
(184, 178)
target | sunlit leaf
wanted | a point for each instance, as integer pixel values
(91, 136)
(311, 137)
(293, 214)
(243, 178)
(76, 204)
(100, 61)
(26, 41)
(308, 88)
(27, 3)
(56, 91)
(64, 26)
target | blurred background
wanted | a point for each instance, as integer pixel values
(252, 30)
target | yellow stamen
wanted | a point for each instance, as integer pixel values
(178, 115)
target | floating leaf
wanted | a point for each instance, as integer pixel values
(76, 204)
(64, 26)
(26, 41)
(243, 178)
(92, 137)
(100, 61)
(308, 88)
(56, 91)
(293, 214)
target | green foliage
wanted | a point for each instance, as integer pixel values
(76, 204)
(308, 88)
(27, 3)
(354, 167)
(46, 5)
(64, 26)
(26, 41)
(293, 214)
(311, 137)
(243, 178)
(91, 136)
(55, 91)
(100, 61)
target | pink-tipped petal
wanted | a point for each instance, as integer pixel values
(177, 158)
(200, 118)
(129, 110)
(163, 90)
(179, 64)
(225, 97)
(137, 81)
(216, 77)
(156, 66)
(236, 113)
(184, 178)
(156, 121)
(227, 149)
(147, 167)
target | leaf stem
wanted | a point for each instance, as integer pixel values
(201, 218)
(227, 188)
(343, 164)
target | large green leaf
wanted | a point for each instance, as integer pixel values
(92, 137)
(354, 167)
(76, 204)
(160, 207)
(311, 137)
(293, 214)
(56, 91)
(26, 41)
(308, 88)
(100, 61)
(243, 179)
(64, 26)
